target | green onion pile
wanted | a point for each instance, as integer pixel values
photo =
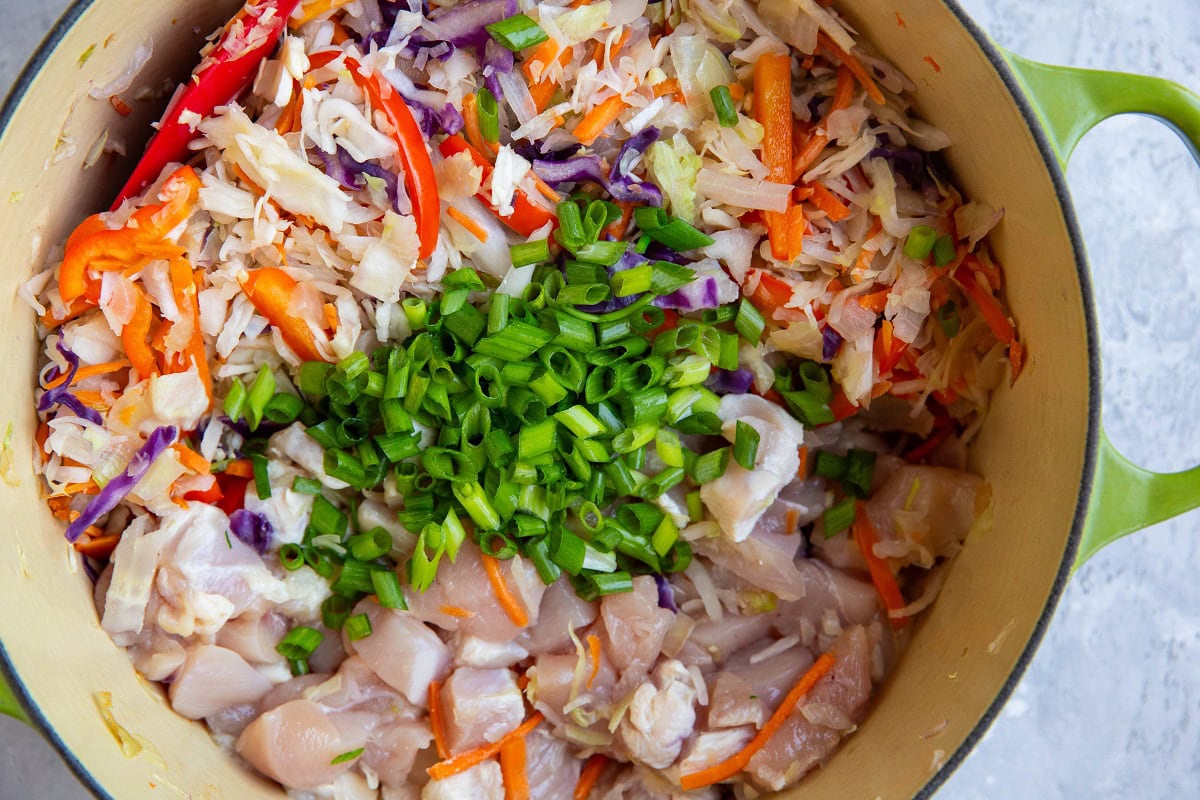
(549, 430)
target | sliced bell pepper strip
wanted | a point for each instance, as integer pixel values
(222, 75)
(527, 216)
(233, 492)
(270, 290)
(106, 249)
(134, 334)
(770, 294)
(184, 287)
(419, 180)
(773, 109)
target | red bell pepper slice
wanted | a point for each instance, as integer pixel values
(527, 216)
(221, 76)
(419, 180)
(233, 492)
(270, 291)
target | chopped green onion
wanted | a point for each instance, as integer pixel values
(261, 392)
(722, 101)
(326, 519)
(673, 232)
(603, 253)
(235, 401)
(830, 465)
(527, 253)
(358, 627)
(262, 482)
(335, 611)
(749, 322)
(299, 643)
(668, 447)
(948, 318)
(667, 277)
(489, 120)
(695, 506)
(581, 422)
(345, 467)
(665, 536)
(920, 242)
(347, 756)
(417, 312)
(632, 281)
(478, 507)
(371, 545)
(283, 408)
(710, 466)
(291, 557)
(839, 517)
(745, 444)
(944, 251)
(387, 589)
(517, 32)
(860, 468)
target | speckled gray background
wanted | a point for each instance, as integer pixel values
(1110, 708)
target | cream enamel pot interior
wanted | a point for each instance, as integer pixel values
(965, 654)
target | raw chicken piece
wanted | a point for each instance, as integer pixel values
(481, 782)
(294, 744)
(770, 678)
(463, 586)
(924, 513)
(395, 748)
(253, 636)
(480, 705)
(304, 450)
(855, 602)
(557, 680)
(552, 769)
(661, 716)
(634, 625)
(733, 703)
(739, 497)
(764, 560)
(561, 612)
(471, 651)
(800, 744)
(713, 747)
(712, 642)
(213, 678)
(402, 651)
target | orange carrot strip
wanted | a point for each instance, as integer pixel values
(241, 468)
(814, 145)
(875, 301)
(541, 93)
(455, 611)
(183, 285)
(881, 573)
(133, 337)
(191, 459)
(737, 762)
(600, 117)
(546, 190)
(830, 203)
(473, 227)
(310, 11)
(736, 91)
(436, 721)
(611, 52)
(588, 776)
(545, 54)
(773, 110)
(100, 546)
(796, 226)
(92, 399)
(508, 602)
(854, 65)
(844, 92)
(464, 761)
(594, 646)
(332, 318)
(988, 305)
(340, 34)
(790, 521)
(90, 372)
(290, 112)
(621, 224)
(669, 86)
(802, 472)
(512, 768)
(470, 114)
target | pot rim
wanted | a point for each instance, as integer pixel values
(994, 56)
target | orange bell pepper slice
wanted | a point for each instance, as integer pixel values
(527, 216)
(270, 290)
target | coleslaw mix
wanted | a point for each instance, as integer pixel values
(560, 399)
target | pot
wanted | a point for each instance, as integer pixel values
(1051, 513)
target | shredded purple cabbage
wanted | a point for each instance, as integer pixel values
(831, 342)
(629, 259)
(497, 60)
(463, 25)
(116, 489)
(252, 529)
(700, 294)
(621, 183)
(666, 595)
(730, 381)
(350, 172)
(265, 428)
(61, 394)
(905, 161)
(574, 170)
(430, 121)
(531, 151)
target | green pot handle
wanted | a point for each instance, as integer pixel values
(1070, 102)
(8, 703)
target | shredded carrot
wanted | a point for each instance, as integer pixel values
(790, 521)
(594, 647)
(830, 203)
(87, 487)
(465, 760)
(93, 399)
(602, 50)
(773, 110)
(929, 60)
(332, 318)
(523, 682)
(541, 93)
(881, 573)
(244, 178)
(736, 91)
(926, 448)
(90, 372)
(240, 468)
(512, 768)
(290, 112)
(796, 226)
(600, 117)
(546, 190)
(543, 55)
(854, 65)
(310, 11)
(510, 604)
(875, 301)
(455, 611)
(470, 115)
(436, 721)
(99, 546)
(814, 145)
(340, 34)
(134, 333)
(588, 776)
(802, 472)
(183, 285)
(737, 762)
(621, 224)
(988, 305)
(473, 227)
(844, 93)
(668, 86)
(120, 106)
(191, 459)
(1016, 359)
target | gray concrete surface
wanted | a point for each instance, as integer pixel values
(1110, 708)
